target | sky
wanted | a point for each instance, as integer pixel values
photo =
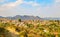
(41, 8)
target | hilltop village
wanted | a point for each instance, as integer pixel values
(29, 28)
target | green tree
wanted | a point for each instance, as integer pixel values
(19, 20)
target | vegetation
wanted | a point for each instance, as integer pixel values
(29, 28)
(19, 20)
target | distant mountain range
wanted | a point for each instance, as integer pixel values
(26, 17)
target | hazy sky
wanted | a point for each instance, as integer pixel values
(42, 8)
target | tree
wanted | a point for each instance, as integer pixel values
(19, 20)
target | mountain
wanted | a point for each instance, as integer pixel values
(50, 18)
(25, 17)
(1, 17)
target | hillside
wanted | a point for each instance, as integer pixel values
(29, 28)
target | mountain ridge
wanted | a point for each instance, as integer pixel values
(27, 17)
